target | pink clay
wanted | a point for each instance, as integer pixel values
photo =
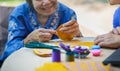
(96, 52)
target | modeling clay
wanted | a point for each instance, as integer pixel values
(43, 52)
(96, 50)
(66, 48)
(81, 52)
(69, 56)
(56, 56)
(62, 35)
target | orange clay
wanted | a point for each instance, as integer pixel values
(63, 36)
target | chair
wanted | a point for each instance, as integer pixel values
(4, 16)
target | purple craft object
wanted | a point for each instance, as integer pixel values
(84, 48)
(77, 47)
(56, 56)
(76, 51)
(81, 51)
(66, 48)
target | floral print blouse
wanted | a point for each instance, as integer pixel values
(23, 21)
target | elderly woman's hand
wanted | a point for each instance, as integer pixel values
(108, 40)
(40, 35)
(71, 27)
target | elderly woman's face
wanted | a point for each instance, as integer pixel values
(45, 7)
(113, 2)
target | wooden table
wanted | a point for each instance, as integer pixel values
(25, 60)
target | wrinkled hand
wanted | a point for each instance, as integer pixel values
(71, 27)
(116, 31)
(108, 40)
(40, 35)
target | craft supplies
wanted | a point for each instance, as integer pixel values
(56, 57)
(95, 47)
(43, 52)
(69, 53)
(40, 45)
(96, 50)
(69, 56)
(62, 35)
(87, 66)
(81, 52)
(65, 47)
(75, 66)
(78, 51)
(55, 66)
(88, 43)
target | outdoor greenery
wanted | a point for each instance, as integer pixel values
(104, 1)
(11, 2)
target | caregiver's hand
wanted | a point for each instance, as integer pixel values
(108, 40)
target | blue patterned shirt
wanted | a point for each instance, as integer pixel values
(23, 21)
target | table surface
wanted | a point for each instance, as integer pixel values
(25, 60)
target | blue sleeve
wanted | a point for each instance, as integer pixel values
(16, 34)
(68, 15)
(116, 18)
(65, 13)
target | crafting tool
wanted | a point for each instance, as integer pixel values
(56, 55)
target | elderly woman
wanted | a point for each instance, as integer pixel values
(111, 39)
(37, 20)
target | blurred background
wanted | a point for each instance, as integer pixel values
(94, 16)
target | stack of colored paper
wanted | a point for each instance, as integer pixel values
(87, 66)
(75, 66)
(52, 67)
